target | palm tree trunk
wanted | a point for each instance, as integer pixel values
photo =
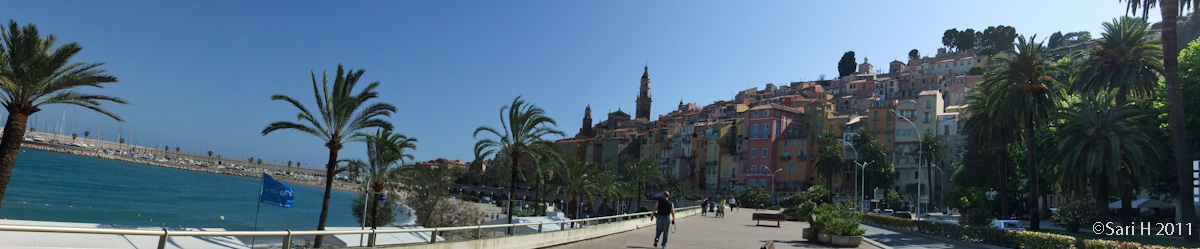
(329, 167)
(512, 190)
(1170, 12)
(375, 211)
(537, 185)
(1101, 196)
(14, 131)
(1031, 160)
(1127, 213)
(1005, 165)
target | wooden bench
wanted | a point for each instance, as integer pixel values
(769, 245)
(759, 217)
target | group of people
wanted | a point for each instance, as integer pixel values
(718, 207)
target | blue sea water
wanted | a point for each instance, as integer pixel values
(51, 186)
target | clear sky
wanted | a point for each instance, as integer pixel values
(199, 74)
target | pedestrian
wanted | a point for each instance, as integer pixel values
(664, 210)
(307, 244)
(733, 204)
(704, 207)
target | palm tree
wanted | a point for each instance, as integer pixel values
(339, 121)
(829, 158)
(982, 126)
(386, 152)
(210, 153)
(1033, 95)
(933, 152)
(34, 74)
(606, 186)
(578, 180)
(1170, 10)
(1127, 63)
(544, 167)
(524, 126)
(645, 175)
(1105, 140)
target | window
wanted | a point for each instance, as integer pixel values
(776, 130)
(754, 131)
(875, 127)
(753, 153)
(753, 169)
(755, 113)
(946, 131)
(926, 117)
(764, 153)
(803, 142)
(887, 127)
(929, 104)
(791, 168)
(875, 115)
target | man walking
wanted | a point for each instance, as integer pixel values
(733, 204)
(664, 210)
(704, 207)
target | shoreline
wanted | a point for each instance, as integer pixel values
(352, 188)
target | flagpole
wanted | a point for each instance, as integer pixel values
(258, 206)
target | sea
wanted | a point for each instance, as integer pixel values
(52, 186)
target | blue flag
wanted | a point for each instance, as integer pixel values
(275, 193)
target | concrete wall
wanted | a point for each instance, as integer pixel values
(539, 240)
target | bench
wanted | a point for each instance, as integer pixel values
(769, 245)
(759, 217)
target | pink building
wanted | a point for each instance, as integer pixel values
(766, 125)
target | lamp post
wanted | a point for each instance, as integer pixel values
(991, 194)
(772, 182)
(919, 152)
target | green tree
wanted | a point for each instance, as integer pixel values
(892, 199)
(74, 136)
(948, 38)
(914, 54)
(1189, 79)
(1127, 64)
(342, 115)
(1056, 41)
(1032, 95)
(879, 172)
(386, 152)
(829, 158)
(1107, 141)
(645, 174)
(932, 153)
(847, 65)
(965, 40)
(427, 194)
(1170, 10)
(210, 153)
(33, 74)
(524, 126)
(578, 179)
(976, 70)
(86, 134)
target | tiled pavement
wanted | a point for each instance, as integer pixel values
(736, 230)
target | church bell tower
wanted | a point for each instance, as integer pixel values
(643, 100)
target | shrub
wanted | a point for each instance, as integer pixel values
(844, 227)
(1043, 240)
(805, 210)
(774, 207)
(1075, 213)
(1105, 244)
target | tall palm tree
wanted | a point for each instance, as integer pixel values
(33, 74)
(606, 186)
(982, 126)
(933, 152)
(1170, 10)
(523, 126)
(545, 164)
(829, 158)
(1128, 64)
(1033, 94)
(342, 115)
(386, 152)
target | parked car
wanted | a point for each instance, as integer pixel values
(903, 215)
(888, 212)
(1007, 225)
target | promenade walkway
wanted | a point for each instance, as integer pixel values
(736, 230)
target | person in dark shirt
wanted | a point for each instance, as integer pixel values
(664, 210)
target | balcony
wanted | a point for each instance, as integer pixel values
(785, 157)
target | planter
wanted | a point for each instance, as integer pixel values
(790, 217)
(810, 234)
(847, 241)
(824, 237)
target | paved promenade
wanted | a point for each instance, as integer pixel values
(736, 230)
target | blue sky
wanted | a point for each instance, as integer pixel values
(199, 74)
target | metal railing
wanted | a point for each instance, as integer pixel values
(164, 234)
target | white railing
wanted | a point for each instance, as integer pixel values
(164, 234)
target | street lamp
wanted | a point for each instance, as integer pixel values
(991, 194)
(919, 152)
(772, 182)
(861, 175)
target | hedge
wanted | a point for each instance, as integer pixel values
(1105, 244)
(977, 234)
